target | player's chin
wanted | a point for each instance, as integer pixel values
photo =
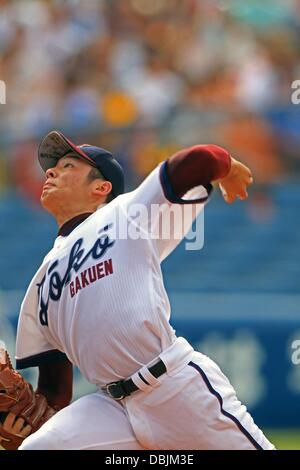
(47, 200)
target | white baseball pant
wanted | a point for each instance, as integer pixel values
(190, 407)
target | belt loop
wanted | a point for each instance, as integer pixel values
(140, 382)
(153, 381)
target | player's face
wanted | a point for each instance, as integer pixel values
(67, 187)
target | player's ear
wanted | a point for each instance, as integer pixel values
(101, 188)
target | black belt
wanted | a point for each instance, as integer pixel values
(124, 388)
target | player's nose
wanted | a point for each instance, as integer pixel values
(50, 173)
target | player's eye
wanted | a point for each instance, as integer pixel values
(66, 165)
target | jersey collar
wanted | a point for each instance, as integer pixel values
(69, 226)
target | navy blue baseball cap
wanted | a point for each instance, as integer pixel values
(55, 146)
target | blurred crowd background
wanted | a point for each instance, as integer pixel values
(145, 78)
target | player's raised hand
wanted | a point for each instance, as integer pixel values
(235, 184)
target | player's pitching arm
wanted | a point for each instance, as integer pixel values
(205, 164)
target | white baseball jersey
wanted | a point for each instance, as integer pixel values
(99, 296)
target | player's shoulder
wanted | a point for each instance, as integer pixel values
(147, 187)
(153, 179)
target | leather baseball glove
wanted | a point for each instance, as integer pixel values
(22, 411)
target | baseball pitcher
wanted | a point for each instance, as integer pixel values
(98, 302)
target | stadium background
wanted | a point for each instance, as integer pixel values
(145, 79)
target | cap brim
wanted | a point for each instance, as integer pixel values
(55, 146)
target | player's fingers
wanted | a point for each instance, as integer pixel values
(19, 423)
(242, 194)
(249, 180)
(15, 426)
(225, 194)
(26, 430)
(9, 421)
(229, 198)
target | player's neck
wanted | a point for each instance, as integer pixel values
(68, 226)
(61, 219)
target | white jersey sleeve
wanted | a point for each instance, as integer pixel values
(157, 211)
